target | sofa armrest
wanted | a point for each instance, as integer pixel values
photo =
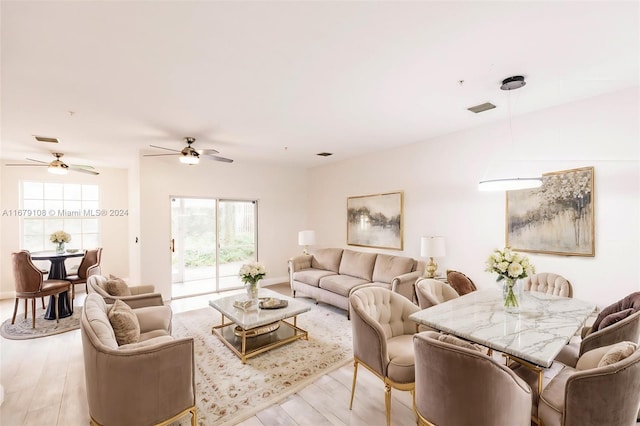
(137, 301)
(154, 318)
(300, 262)
(141, 289)
(405, 284)
(167, 366)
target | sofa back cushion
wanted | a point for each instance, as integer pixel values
(388, 267)
(358, 264)
(95, 310)
(328, 259)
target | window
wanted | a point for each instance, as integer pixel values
(48, 207)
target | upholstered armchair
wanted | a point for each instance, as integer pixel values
(617, 322)
(549, 283)
(460, 282)
(382, 339)
(458, 385)
(147, 380)
(432, 292)
(112, 289)
(30, 284)
(602, 389)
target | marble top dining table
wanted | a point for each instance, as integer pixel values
(536, 334)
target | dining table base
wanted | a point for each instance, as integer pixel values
(64, 307)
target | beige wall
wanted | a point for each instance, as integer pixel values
(114, 231)
(439, 179)
(281, 194)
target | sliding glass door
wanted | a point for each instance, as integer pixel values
(211, 239)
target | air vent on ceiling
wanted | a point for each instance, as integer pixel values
(324, 154)
(482, 107)
(46, 139)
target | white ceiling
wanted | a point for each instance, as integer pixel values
(282, 81)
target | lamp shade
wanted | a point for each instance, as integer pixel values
(306, 238)
(432, 247)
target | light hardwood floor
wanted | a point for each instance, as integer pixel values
(43, 381)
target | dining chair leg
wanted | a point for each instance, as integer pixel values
(25, 308)
(42, 298)
(387, 402)
(15, 311)
(33, 313)
(56, 300)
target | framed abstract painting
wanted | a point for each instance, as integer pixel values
(557, 218)
(376, 221)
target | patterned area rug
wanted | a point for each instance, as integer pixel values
(229, 392)
(22, 328)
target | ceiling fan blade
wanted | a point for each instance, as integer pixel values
(80, 166)
(83, 170)
(207, 151)
(38, 161)
(161, 147)
(157, 155)
(26, 164)
(216, 158)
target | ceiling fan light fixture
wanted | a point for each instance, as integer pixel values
(191, 159)
(58, 168)
(509, 184)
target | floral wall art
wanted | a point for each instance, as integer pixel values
(557, 218)
(375, 221)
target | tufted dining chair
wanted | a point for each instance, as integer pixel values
(432, 292)
(383, 339)
(90, 265)
(30, 284)
(460, 282)
(549, 283)
(458, 385)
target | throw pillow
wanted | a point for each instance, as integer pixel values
(592, 358)
(618, 352)
(117, 287)
(124, 322)
(453, 340)
(614, 318)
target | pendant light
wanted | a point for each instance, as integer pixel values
(510, 183)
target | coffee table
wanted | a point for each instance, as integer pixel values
(250, 333)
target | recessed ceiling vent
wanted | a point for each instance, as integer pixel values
(482, 107)
(46, 139)
(324, 154)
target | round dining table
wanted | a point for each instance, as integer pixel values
(57, 271)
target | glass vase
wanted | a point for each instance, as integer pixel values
(60, 248)
(252, 291)
(511, 295)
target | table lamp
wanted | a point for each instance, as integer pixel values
(306, 239)
(432, 247)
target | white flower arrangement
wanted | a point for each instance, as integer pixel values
(252, 273)
(60, 237)
(509, 265)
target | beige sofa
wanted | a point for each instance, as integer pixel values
(147, 382)
(330, 275)
(135, 296)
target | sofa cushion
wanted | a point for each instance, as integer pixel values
(388, 267)
(124, 322)
(341, 284)
(328, 259)
(117, 287)
(311, 276)
(614, 318)
(357, 264)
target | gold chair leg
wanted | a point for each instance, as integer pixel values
(387, 402)
(353, 384)
(194, 416)
(15, 310)
(33, 312)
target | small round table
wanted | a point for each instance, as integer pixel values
(57, 272)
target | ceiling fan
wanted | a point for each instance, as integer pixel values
(189, 155)
(57, 167)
